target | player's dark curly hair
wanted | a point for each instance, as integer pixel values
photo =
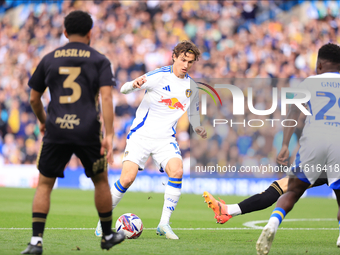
(330, 52)
(186, 47)
(78, 22)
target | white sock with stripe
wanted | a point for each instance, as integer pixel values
(171, 197)
(117, 193)
(277, 217)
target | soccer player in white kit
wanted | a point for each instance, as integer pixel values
(168, 95)
(320, 141)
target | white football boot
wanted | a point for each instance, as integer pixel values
(165, 230)
(98, 231)
(265, 240)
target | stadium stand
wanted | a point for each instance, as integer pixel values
(139, 36)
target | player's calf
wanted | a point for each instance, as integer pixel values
(117, 193)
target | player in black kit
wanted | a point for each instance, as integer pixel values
(75, 75)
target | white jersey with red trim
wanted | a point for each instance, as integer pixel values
(166, 99)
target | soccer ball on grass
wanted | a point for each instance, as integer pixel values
(130, 225)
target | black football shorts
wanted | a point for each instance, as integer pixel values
(53, 158)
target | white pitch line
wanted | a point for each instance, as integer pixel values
(48, 228)
(253, 224)
(211, 228)
(191, 229)
(143, 229)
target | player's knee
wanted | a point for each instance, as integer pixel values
(127, 180)
(100, 178)
(297, 186)
(177, 172)
(283, 184)
(297, 192)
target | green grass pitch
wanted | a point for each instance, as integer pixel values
(73, 218)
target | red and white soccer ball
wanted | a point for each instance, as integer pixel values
(130, 225)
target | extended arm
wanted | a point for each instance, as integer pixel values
(294, 114)
(283, 155)
(131, 86)
(38, 108)
(107, 108)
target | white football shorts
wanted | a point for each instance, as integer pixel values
(318, 155)
(139, 149)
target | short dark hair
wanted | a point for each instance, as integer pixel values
(330, 52)
(186, 47)
(78, 22)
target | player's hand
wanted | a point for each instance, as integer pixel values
(42, 128)
(139, 82)
(282, 157)
(201, 132)
(107, 146)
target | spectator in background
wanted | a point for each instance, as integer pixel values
(237, 39)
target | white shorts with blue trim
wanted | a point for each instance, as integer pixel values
(138, 150)
(318, 157)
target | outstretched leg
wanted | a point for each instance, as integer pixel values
(224, 212)
(264, 199)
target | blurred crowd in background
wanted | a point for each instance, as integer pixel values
(242, 39)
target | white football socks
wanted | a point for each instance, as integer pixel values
(116, 196)
(234, 209)
(171, 197)
(36, 239)
(274, 222)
